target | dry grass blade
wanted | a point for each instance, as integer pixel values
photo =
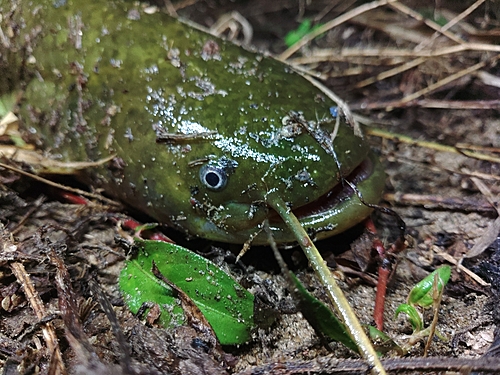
(333, 23)
(410, 12)
(459, 266)
(431, 145)
(440, 63)
(36, 303)
(448, 80)
(430, 103)
(452, 23)
(391, 72)
(62, 187)
(492, 231)
(43, 164)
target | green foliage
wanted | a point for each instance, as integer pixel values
(422, 295)
(321, 317)
(7, 103)
(295, 35)
(431, 14)
(414, 316)
(226, 305)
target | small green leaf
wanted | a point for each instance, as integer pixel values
(419, 291)
(431, 14)
(7, 104)
(226, 305)
(382, 342)
(425, 301)
(294, 36)
(321, 318)
(416, 320)
(17, 140)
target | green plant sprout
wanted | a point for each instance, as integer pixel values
(424, 294)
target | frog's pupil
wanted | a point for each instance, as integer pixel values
(212, 179)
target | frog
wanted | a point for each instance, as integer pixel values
(198, 132)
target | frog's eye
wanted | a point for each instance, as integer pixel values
(213, 177)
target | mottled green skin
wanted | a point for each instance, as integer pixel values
(141, 75)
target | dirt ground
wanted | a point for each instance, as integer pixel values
(442, 195)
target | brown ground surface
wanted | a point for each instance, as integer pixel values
(39, 231)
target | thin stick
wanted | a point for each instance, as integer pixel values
(331, 24)
(62, 187)
(49, 333)
(346, 54)
(391, 72)
(332, 288)
(431, 145)
(449, 79)
(437, 295)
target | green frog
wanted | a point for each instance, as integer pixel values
(200, 131)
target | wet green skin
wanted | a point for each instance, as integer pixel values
(129, 77)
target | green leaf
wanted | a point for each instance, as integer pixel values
(7, 104)
(431, 14)
(294, 36)
(321, 318)
(383, 343)
(416, 320)
(424, 288)
(226, 305)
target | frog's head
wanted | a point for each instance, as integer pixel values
(223, 177)
(307, 162)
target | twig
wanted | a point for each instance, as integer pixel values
(448, 80)
(391, 72)
(433, 25)
(322, 55)
(34, 207)
(431, 145)
(440, 202)
(62, 187)
(429, 103)
(331, 24)
(459, 266)
(36, 303)
(491, 232)
(437, 295)
(331, 365)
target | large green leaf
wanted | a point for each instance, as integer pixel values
(226, 305)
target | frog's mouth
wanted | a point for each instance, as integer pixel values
(340, 192)
(339, 208)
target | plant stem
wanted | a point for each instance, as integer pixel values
(333, 290)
